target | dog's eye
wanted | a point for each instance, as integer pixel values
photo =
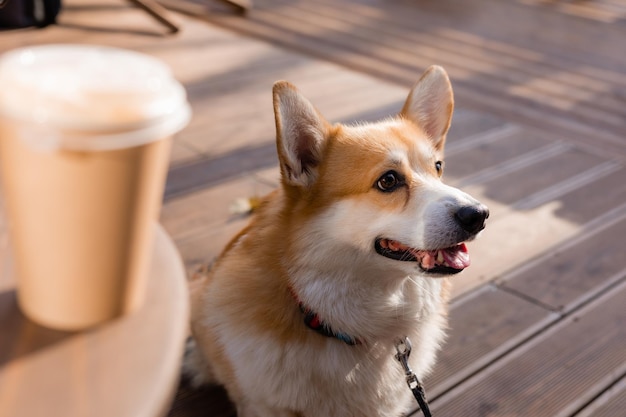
(439, 167)
(389, 181)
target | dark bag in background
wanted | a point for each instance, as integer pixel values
(24, 13)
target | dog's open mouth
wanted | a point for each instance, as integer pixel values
(447, 261)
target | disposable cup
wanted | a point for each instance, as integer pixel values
(85, 134)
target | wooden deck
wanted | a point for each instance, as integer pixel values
(538, 324)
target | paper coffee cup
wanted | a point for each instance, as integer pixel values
(85, 135)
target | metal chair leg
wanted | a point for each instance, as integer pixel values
(158, 12)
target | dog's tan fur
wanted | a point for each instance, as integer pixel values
(314, 237)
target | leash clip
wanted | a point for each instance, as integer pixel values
(403, 350)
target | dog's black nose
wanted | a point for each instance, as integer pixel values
(472, 218)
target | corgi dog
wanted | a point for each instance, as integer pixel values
(299, 314)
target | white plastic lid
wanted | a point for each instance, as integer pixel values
(114, 97)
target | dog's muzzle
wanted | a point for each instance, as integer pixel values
(448, 257)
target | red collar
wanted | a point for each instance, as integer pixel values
(314, 322)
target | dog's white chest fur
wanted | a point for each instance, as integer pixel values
(330, 377)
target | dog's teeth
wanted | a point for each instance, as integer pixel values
(383, 243)
(440, 258)
(394, 246)
(427, 261)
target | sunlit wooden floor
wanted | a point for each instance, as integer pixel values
(538, 324)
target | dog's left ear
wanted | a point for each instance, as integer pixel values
(301, 133)
(430, 104)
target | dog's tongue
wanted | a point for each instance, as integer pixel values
(456, 256)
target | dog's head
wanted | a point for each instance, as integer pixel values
(374, 191)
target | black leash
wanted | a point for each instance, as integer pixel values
(403, 350)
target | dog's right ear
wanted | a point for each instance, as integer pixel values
(301, 132)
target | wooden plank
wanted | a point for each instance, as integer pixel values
(467, 124)
(209, 208)
(539, 176)
(486, 155)
(508, 166)
(591, 201)
(483, 326)
(207, 172)
(553, 374)
(567, 185)
(568, 273)
(611, 403)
